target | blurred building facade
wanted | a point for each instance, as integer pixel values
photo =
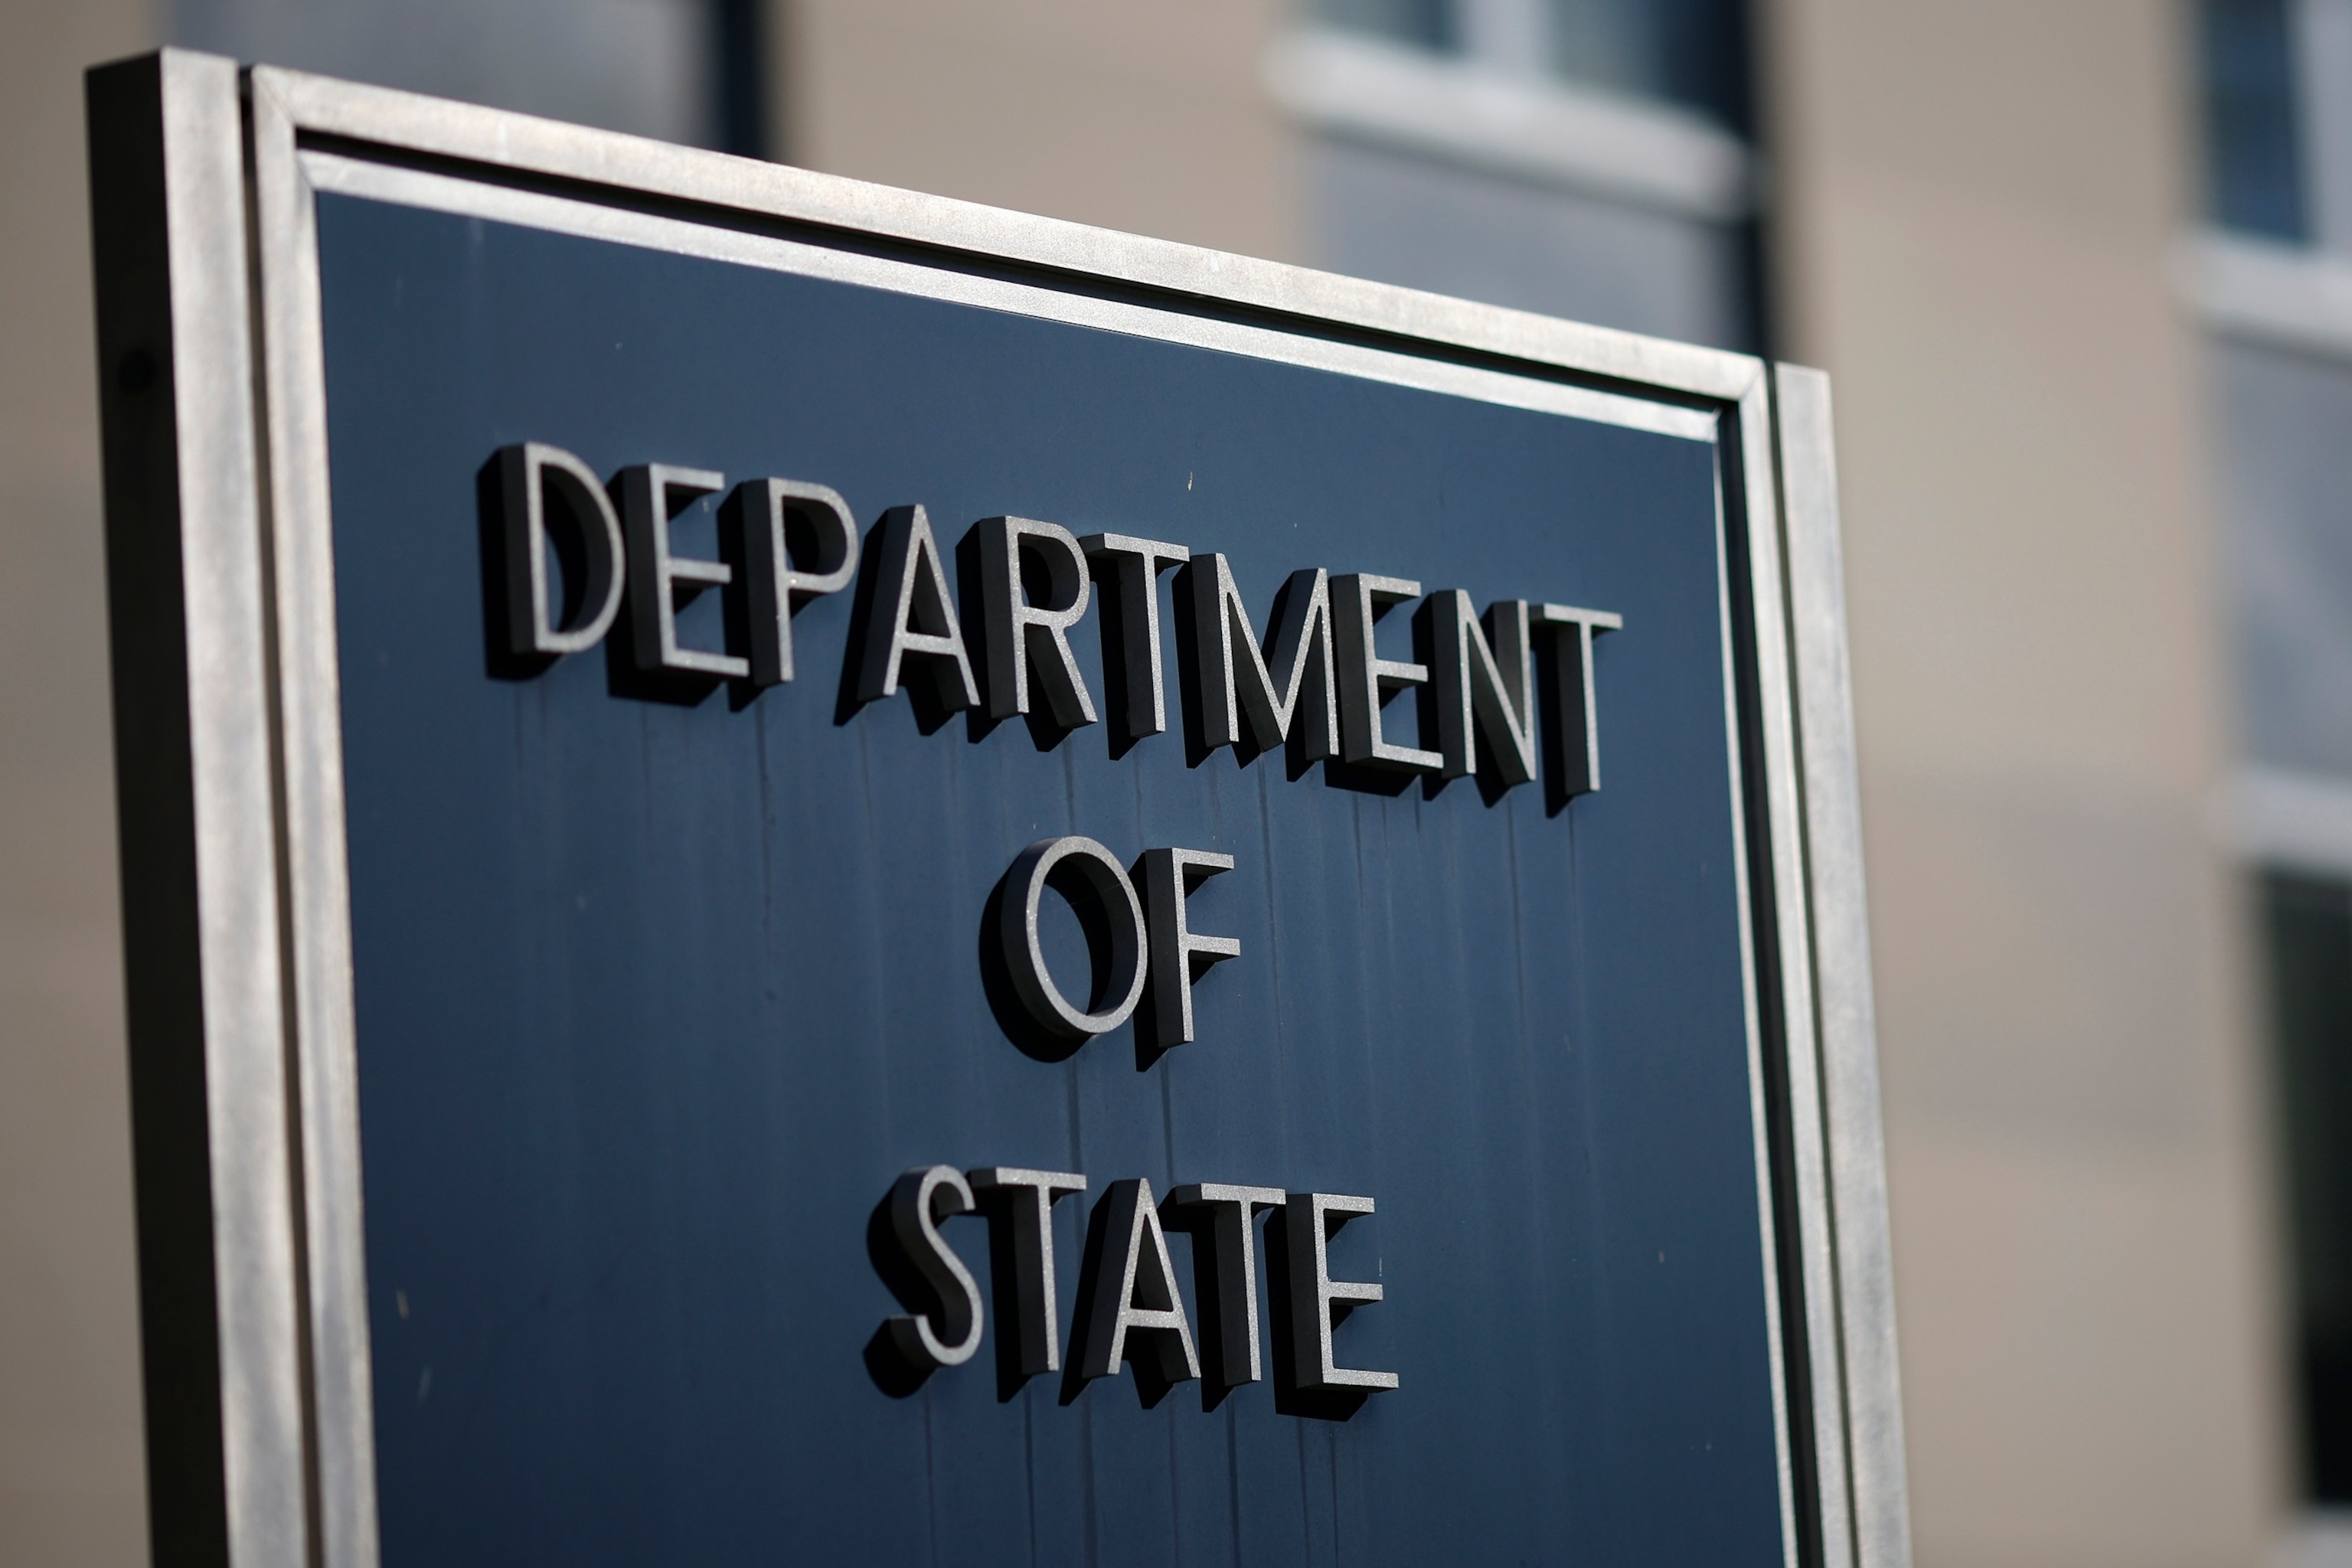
(2271, 280)
(2083, 275)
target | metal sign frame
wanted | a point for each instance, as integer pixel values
(237, 904)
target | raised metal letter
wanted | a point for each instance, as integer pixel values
(913, 615)
(526, 473)
(1024, 1199)
(1319, 1303)
(1234, 678)
(1097, 885)
(1573, 729)
(918, 1201)
(651, 493)
(1223, 1220)
(762, 511)
(1024, 638)
(1132, 1292)
(1484, 681)
(1178, 957)
(1367, 681)
(1135, 565)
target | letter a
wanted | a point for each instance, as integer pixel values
(912, 615)
(1129, 1289)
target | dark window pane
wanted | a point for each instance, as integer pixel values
(738, 67)
(2254, 157)
(1690, 52)
(2309, 932)
(1428, 23)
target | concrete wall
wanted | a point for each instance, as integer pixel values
(1977, 203)
(73, 1488)
(1132, 114)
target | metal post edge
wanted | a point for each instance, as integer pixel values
(1863, 1333)
(498, 142)
(317, 874)
(1802, 1271)
(194, 734)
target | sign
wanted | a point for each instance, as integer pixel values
(816, 874)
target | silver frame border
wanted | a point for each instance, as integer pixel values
(251, 510)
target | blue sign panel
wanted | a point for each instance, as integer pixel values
(917, 887)
(658, 998)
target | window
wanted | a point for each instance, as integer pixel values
(1428, 23)
(2253, 153)
(1693, 53)
(2270, 284)
(1690, 53)
(2308, 929)
(1580, 158)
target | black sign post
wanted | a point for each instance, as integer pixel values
(818, 875)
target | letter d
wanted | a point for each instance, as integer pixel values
(528, 475)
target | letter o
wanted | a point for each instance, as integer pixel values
(1086, 874)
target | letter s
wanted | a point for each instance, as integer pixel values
(942, 1324)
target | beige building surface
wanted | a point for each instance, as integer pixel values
(1139, 117)
(1978, 207)
(70, 1452)
(1971, 213)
